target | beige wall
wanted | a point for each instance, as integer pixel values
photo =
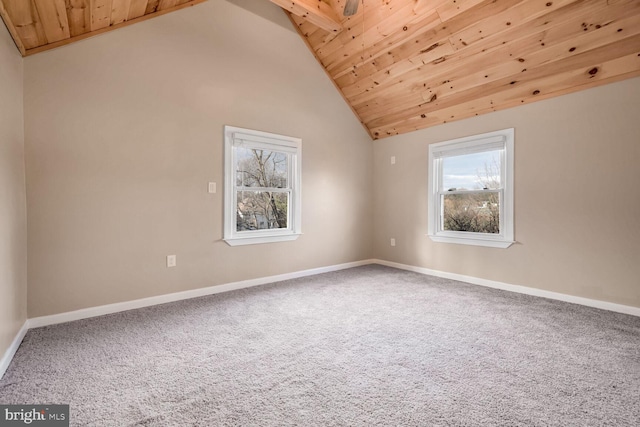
(13, 217)
(577, 197)
(123, 132)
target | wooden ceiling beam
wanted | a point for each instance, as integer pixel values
(315, 11)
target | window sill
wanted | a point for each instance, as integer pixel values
(256, 240)
(502, 244)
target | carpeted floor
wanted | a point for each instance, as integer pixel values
(369, 346)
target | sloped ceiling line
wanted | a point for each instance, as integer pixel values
(431, 62)
(404, 65)
(39, 25)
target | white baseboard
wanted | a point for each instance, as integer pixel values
(604, 305)
(11, 351)
(86, 313)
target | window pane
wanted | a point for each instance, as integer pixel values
(472, 171)
(475, 212)
(260, 210)
(261, 168)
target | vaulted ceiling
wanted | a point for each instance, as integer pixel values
(404, 65)
(38, 25)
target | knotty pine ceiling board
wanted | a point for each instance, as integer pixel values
(39, 25)
(404, 65)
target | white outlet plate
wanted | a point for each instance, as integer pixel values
(393, 241)
(212, 187)
(393, 160)
(171, 261)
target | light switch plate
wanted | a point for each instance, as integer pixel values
(171, 261)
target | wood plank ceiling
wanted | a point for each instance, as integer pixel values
(38, 25)
(404, 65)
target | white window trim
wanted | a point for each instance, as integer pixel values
(234, 136)
(498, 139)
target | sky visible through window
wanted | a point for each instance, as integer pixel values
(471, 171)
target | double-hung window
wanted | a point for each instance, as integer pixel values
(471, 190)
(262, 187)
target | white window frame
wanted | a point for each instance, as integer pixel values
(248, 138)
(503, 140)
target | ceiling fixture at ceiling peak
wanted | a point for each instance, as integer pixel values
(351, 7)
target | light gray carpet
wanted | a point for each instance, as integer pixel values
(369, 346)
